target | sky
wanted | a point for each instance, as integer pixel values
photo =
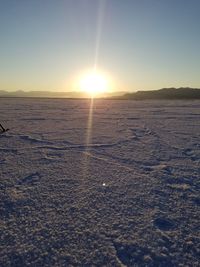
(138, 44)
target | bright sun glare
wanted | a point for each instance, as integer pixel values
(94, 83)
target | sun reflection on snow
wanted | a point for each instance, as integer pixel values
(88, 136)
(89, 124)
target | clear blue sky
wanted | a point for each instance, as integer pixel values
(142, 44)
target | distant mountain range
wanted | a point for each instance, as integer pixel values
(48, 94)
(164, 93)
(21, 93)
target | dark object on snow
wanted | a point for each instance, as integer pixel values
(3, 130)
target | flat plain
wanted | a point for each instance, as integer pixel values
(102, 183)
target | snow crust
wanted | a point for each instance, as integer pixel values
(117, 185)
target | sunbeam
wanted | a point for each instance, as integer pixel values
(100, 19)
(97, 81)
(88, 137)
(89, 124)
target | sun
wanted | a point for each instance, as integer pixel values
(94, 83)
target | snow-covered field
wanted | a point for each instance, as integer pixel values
(113, 184)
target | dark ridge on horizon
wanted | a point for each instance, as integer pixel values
(164, 93)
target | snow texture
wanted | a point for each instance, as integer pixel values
(117, 185)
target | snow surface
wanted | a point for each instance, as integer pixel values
(123, 192)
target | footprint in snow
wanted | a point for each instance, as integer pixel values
(31, 179)
(136, 255)
(196, 201)
(164, 224)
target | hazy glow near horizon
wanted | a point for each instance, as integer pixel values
(141, 44)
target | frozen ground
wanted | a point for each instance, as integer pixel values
(115, 186)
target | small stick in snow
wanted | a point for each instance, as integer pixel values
(3, 129)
